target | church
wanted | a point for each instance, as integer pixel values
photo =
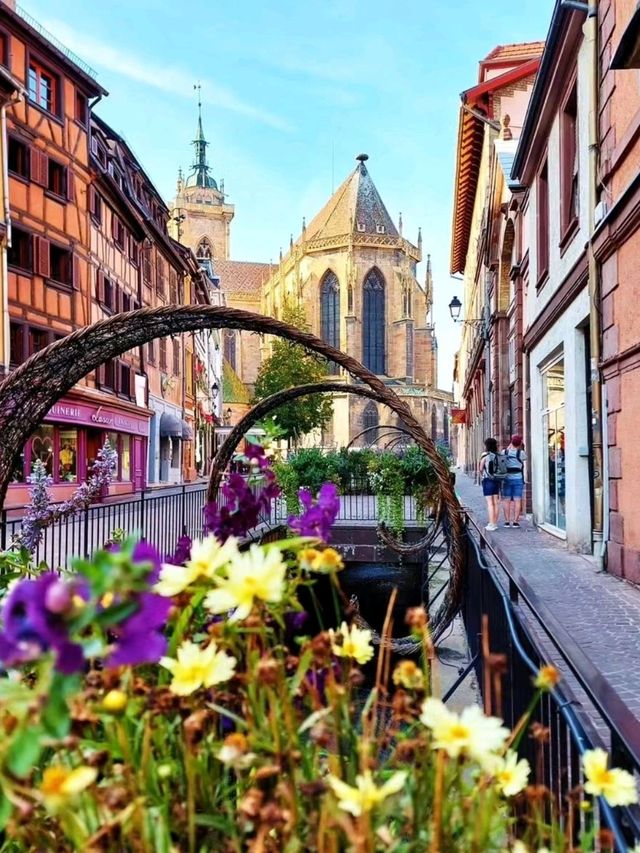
(356, 276)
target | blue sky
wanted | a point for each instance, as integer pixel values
(290, 88)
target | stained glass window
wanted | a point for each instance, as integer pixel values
(203, 252)
(330, 314)
(370, 419)
(373, 323)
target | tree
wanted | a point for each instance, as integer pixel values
(290, 365)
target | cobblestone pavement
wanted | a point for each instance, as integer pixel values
(599, 611)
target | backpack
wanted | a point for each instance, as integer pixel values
(520, 466)
(497, 467)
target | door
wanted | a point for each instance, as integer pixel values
(138, 463)
(553, 431)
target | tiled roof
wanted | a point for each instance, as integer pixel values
(242, 278)
(515, 52)
(355, 206)
(233, 388)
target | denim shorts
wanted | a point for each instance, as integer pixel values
(490, 487)
(512, 489)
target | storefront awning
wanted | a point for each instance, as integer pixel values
(170, 425)
(187, 432)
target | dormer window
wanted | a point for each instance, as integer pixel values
(380, 229)
(361, 226)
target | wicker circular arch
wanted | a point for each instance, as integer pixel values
(390, 429)
(30, 391)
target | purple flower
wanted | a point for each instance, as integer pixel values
(242, 507)
(139, 638)
(319, 515)
(34, 622)
(182, 552)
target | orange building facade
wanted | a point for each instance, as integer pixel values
(88, 238)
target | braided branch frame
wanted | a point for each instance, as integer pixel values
(30, 391)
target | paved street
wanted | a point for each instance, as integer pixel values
(600, 612)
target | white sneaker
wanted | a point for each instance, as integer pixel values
(491, 527)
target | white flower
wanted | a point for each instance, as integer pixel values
(208, 556)
(471, 733)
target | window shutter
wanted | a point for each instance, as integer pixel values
(39, 167)
(100, 286)
(132, 383)
(92, 199)
(117, 298)
(100, 373)
(116, 375)
(76, 280)
(114, 226)
(42, 252)
(70, 180)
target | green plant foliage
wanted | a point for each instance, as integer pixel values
(288, 366)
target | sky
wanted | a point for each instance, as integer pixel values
(292, 92)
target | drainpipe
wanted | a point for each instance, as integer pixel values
(591, 35)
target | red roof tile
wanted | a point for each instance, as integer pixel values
(515, 52)
(242, 278)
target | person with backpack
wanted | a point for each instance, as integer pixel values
(513, 484)
(489, 476)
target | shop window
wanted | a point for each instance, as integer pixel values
(61, 264)
(82, 111)
(43, 87)
(17, 341)
(41, 446)
(68, 456)
(20, 253)
(57, 180)
(38, 340)
(542, 204)
(175, 453)
(115, 444)
(176, 358)
(125, 458)
(18, 158)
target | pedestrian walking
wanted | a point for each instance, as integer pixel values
(513, 484)
(487, 469)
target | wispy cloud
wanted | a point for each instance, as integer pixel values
(167, 78)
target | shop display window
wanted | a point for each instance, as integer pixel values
(68, 456)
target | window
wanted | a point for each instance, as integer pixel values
(41, 446)
(434, 422)
(151, 352)
(176, 358)
(81, 108)
(410, 350)
(146, 265)
(126, 303)
(68, 456)
(134, 251)
(117, 229)
(109, 294)
(173, 286)
(4, 50)
(230, 347)
(160, 279)
(542, 202)
(20, 254)
(109, 375)
(125, 458)
(61, 264)
(163, 353)
(38, 340)
(370, 419)
(57, 178)
(95, 205)
(16, 343)
(569, 177)
(125, 379)
(18, 158)
(330, 314)
(44, 88)
(373, 326)
(203, 252)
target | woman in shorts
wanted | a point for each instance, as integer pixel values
(490, 487)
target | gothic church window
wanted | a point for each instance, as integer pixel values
(373, 323)
(434, 422)
(330, 314)
(370, 419)
(203, 252)
(230, 348)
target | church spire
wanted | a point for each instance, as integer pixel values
(199, 176)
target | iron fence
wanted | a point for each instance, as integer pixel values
(504, 622)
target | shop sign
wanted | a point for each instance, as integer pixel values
(98, 416)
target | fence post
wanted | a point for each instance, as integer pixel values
(3, 530)
(184, 510)
(86, 532)
(143, 534)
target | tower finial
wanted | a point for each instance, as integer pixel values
(420, 238)
(400, 223)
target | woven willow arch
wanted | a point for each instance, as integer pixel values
(30, 391)
(261, 409)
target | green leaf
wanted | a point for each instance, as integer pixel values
(55, 716)
(24, 751)
(6, 808)
(116, 614)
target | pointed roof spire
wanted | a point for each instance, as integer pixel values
(420, 238)
(199, 176)
(400, 223)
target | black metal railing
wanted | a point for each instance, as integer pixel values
(363, 507)
(504, 617)
(159, 516)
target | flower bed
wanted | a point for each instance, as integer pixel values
(186, 705)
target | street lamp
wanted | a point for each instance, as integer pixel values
(455, 307)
